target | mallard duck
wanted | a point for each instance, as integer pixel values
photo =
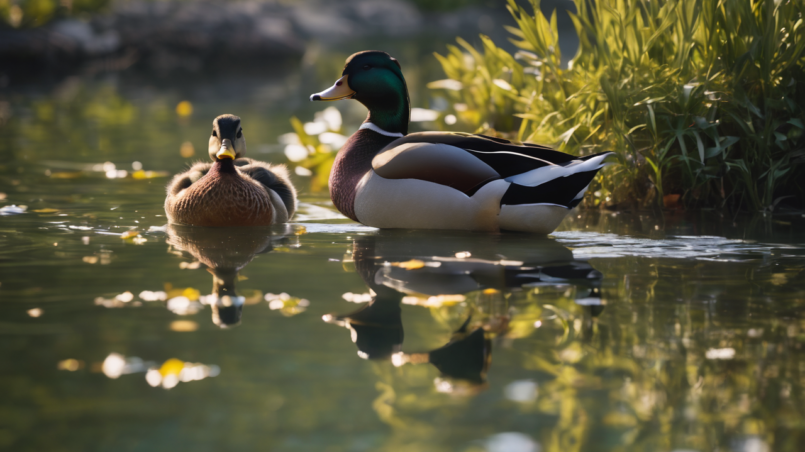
(387, 178)
(231, 191)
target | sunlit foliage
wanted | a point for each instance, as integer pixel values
(698, 98)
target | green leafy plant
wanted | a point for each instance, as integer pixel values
(312, 146)
(698, 98)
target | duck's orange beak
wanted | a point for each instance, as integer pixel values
(340, 90)
(227, 151)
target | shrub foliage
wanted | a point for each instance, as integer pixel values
(699, 98)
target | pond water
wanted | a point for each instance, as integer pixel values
(621, 331)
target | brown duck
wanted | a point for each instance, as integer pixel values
(231, 191)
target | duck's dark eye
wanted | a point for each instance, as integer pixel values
(367, 67)
(240, 133)
(215, 134)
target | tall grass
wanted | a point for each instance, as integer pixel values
(699, 98)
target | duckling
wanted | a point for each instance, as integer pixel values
(233, 190)
(387, 178)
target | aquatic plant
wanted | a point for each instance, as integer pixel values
(701, 99)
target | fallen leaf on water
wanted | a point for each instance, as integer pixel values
(71, 365)
(66, 174)
(129, 235)
(172, 366)
(286, 304)
(47, 210)
(140, 174)
(189, 292)
(413, 264)
(251, 296)
(183, 326)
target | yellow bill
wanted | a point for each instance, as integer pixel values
(340, 90)
(226, 151)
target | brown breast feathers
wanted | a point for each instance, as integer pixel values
(223, 197)
(353, 161)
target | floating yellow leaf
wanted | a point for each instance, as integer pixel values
(129, 235)
(48, 210)
(191, 294)
(71, 365)
(172, 366)
(413, 264)
(251, 296)
(140, 174)
(183, 326)
(184, 108)
(490, 291)
(66, 174)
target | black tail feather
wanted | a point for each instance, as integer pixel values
(560, 191)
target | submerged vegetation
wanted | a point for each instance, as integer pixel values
(701, 100)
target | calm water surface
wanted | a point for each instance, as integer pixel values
(620, 332)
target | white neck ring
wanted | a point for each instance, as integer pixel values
(374, 128)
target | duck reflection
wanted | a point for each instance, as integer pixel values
(471, 275)
(225, 251)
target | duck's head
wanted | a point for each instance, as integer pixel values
(374, 79)
(226, 140)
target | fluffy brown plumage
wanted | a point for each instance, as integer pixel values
(231, 191)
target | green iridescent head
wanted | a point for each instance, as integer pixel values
(374, 79)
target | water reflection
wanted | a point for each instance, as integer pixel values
(465, 280)
(224, 251)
